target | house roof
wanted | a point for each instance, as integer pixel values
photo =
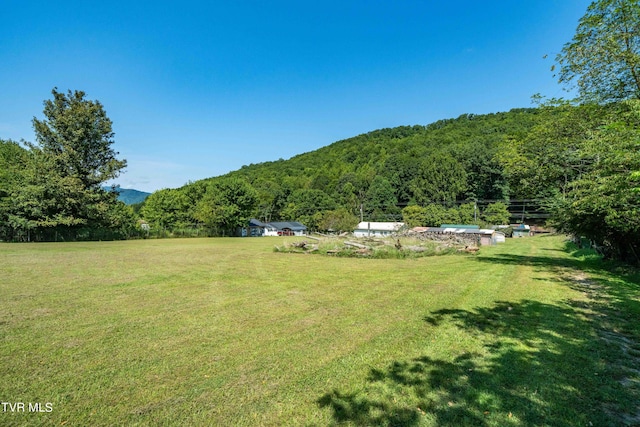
(291, 225)
(452, 230)
(380, 226)
(256, 223)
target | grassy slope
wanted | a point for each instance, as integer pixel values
(228, 332)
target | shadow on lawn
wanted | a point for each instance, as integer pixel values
(569, 364)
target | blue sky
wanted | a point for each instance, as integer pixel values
(199, 88)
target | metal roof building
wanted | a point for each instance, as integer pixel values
(482, 236)
(377, 229)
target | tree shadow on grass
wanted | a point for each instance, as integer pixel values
(566, 364)
(547, 263)
(556, 260)
(613, 289)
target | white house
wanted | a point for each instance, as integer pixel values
(288, 228)
(258, 228)
(377, 229)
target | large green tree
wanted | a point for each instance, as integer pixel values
(227, 204)
(339, 220)
(550, 156)
(603, 58)
(167, 208)
(600, 199)
(53, 187)
(603, 204)
(496, 214)
(78, 135)
(585, 163)
(71, 158)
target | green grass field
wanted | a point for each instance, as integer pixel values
(229, 332)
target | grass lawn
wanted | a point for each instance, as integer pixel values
(229, 332)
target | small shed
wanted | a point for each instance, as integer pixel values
(522, 230)
(377, 229)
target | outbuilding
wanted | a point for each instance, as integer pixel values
(522, 230)
(377, 229)
(479, 236)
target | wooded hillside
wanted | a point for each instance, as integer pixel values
(379, 173)
(449, 160)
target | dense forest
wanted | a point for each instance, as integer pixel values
(445, 166)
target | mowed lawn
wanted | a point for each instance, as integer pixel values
(228, 332)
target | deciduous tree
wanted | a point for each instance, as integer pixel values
(227, 204)
(70, 160)
(604, 203)
(304, 205)
(338, 220)
(167, 208)
(77, 133)
(603, 58)
(496, 214)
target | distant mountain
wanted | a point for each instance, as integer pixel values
(129, 196)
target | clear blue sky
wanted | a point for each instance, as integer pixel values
(199, 88)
